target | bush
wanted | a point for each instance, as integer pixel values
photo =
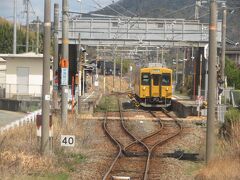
(232, 119)
(232, 116)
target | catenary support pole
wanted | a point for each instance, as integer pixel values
(55, 60)
(177, 66)
(183, 70)
(27, 25)
(224, 25)
(64, 62)
(114, 67)
(211, 81)
(104, 71)
(79, 70)
(162, 61)
(37, 41)
(46, 79)
(121, 72)
(15, 28)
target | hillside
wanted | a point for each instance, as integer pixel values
(175, 9)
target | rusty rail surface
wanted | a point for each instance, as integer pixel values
(120, 148)
(149, 148)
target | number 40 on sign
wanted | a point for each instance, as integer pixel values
(68, 140)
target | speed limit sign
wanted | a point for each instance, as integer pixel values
(68, 140)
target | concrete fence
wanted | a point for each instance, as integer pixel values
(29, 118)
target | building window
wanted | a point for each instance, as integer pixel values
(160, 25)
(114, 24)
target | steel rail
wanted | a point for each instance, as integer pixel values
(150, 150)
(160, 142)
(120, 149)
(116, 142)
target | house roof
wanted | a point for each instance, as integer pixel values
(30, 54)
(2, 60)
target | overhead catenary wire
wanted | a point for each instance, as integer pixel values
(183, 8)
(108, 6)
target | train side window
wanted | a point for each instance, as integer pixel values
(155, 79)
(145, 79)
(166, 79)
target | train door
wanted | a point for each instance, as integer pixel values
(155, 84)
(145, 85)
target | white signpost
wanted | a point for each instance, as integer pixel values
(64, 76)
(68, 140)
(199, 102)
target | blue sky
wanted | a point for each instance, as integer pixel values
(6, 7)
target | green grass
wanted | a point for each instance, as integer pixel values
(77, 158)
(59, 176)
(193, 168)
(232, 116)
(108, 103)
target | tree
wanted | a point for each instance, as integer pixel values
(6, 38)
(232, 72)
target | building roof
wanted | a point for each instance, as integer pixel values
(30, 54)
(2, 60)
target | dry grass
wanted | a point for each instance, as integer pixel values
(226, 165)
(20, 157)
(109, 84)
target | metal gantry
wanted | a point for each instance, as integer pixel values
(126, 31)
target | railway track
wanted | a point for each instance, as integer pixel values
(138, 152)
(122, 165)
(165, 133)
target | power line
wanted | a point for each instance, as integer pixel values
(173, 12)
(108, 6)
(134, 14)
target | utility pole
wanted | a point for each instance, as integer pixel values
(162, 57)
(121, 72)
(114, 67)
(183, 70)
(15, 29)
(224, 25)
(37, 43)
(104, 72)
(55, 61)
(64, 62)
(79, 70)
(211, 81)
(27, 24)
(97, 60)
(157, 55)
(177, 66)
(197, 6)
(46, 79)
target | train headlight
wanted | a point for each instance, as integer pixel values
(144, 88)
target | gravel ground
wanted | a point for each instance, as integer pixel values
(100, 151)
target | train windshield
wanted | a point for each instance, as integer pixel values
(145, 79)
(156, 78)
(166, 79)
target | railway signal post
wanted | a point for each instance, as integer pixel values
(64, 62)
